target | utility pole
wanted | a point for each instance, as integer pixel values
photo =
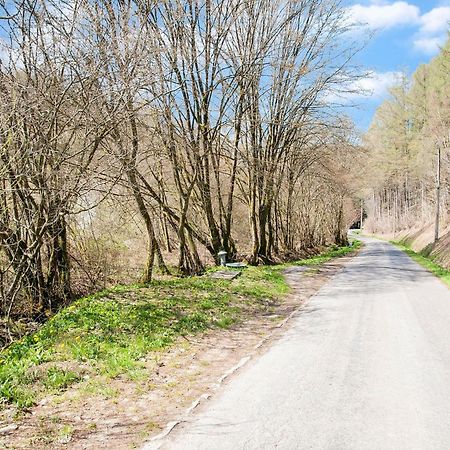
(438, 193)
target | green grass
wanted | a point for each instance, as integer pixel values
(332, 252)
(56, 378)
(110, 333)
(425, 261)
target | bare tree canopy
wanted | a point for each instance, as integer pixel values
(202, 125)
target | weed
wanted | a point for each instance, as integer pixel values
(333, 252)
(65, 434)
(101, 388)
(57, 379)
(426, 261)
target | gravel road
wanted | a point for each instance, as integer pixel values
(365, 365)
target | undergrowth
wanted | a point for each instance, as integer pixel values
(110, 333)
(330, 253)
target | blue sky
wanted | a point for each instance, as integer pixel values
(407, 34)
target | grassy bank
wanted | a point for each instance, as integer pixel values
(425, 261)
(110, 334)
(330, 253)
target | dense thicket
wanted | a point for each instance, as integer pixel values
(202, 125)
(408, 166)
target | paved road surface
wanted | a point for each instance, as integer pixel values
(366, 365)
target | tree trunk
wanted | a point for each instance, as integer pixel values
(438, 195)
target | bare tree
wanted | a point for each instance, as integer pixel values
(50, 135)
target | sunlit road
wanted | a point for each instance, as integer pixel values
(365, 365)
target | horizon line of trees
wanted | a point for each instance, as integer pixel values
(407, 167)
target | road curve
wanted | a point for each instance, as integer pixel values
(365, 365)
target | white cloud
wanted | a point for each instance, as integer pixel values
(432, 26)
(374, 86)
(429, 45)
(435, 21)
(379, 15)
(433, 30)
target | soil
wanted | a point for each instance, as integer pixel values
(124, 414)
